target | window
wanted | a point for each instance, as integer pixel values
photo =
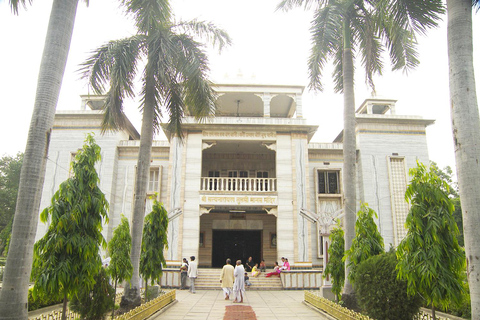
(153, 180)
(262, 174)
(328, 182)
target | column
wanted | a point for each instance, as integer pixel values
(175, 187)
(298, 101)
(301, 154)
(267, 97)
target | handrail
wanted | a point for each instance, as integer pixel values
(238, 184)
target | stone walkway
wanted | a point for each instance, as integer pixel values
(268, 305)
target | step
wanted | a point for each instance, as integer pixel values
(209, 279)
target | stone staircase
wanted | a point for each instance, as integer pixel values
(209, 279)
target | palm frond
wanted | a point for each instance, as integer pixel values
(369, 44)
(287, 5)
(114, 64)
(15, 5)
(416, 16)
(325, 31)
(401, 44)
(174, 104)
(206, 31)
(148, 13)
(337, 72)
(193, 68)
(116, 59)
(476, 4)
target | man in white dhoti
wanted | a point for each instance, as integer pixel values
(239, 284)
(226, 279)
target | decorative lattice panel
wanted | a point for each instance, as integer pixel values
(398, 186)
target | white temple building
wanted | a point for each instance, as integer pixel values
(241, 179)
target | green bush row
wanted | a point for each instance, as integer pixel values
(40, 301)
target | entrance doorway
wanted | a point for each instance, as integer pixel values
(236, 245)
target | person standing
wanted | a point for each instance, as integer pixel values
(226, 279)
(183, 274)
(239, 284)
(192, 273)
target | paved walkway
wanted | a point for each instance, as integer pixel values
(268, 305)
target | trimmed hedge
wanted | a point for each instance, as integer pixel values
(40, 301)
(379, 294)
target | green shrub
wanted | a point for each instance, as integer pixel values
(93, 304)
(464, 308)
(40, 301)
(380, 294)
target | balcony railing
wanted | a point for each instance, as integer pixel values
(239, 184)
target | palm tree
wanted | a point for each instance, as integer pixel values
(174, 76)
(466, 133)
(342, 29)
(14, 294)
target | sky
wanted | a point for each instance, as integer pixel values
(269, 47)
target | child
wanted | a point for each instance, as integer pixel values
(247, 282)
(255, 271)
(263, 267)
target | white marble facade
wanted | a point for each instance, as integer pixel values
(249, 171)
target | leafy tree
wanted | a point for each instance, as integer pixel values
(367, 242)
(343, 30)
(9, 180)
(466, 132)
(92, 303)
(67, 257)
(174, 76)
(447, 175)
(380, 294)
(5, 236)
(14, 296)
(430, 258)
(154, 241)
(120, 267)
(335, 265)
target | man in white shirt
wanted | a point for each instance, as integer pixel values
(192, 273)
(239, 284)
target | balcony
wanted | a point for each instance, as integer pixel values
(260, 185)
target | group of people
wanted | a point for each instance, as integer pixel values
(232, 279)
(188, 270)
(255, 268)
(278, 268)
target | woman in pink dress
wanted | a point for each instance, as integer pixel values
(276, 271)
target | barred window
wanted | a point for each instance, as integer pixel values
(328, 182)
(153, 180)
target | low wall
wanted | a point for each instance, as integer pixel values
(146, 310)
(301, 279)
(170, 278)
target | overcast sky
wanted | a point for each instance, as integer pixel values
(269, 47)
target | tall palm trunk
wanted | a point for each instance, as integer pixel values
(466, 135)
(349, 150)
(14, 294)
(132, 294)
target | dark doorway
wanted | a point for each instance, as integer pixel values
(235, 244)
